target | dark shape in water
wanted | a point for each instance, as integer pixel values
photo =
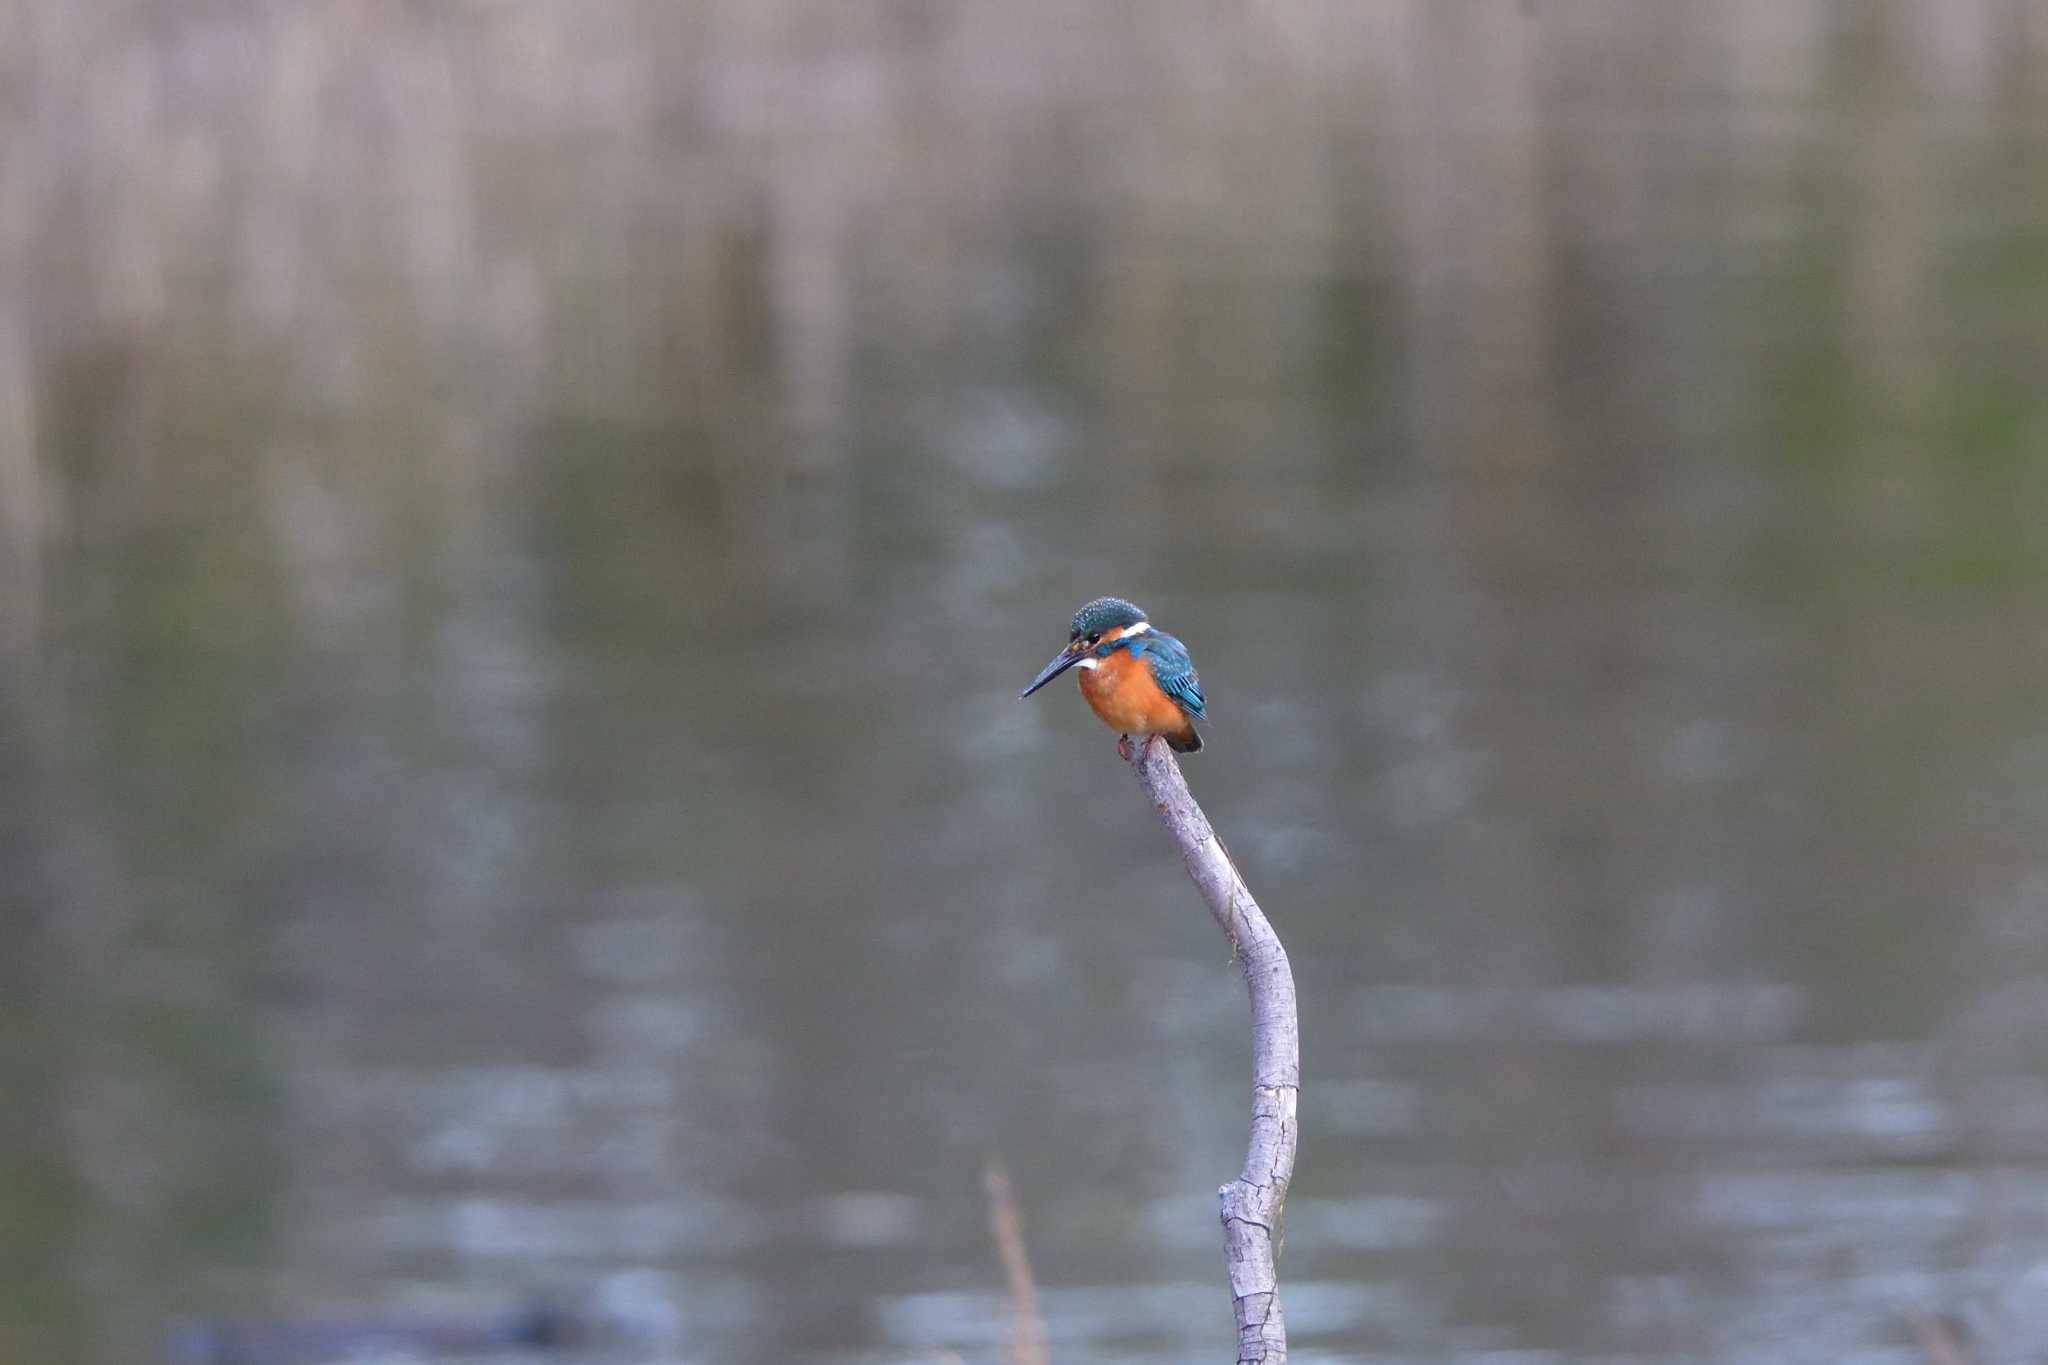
(223, 1341)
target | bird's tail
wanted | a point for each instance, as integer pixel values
(1188, 743)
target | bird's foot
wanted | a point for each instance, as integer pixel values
(1123, 748)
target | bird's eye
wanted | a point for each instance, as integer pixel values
(1095, 637)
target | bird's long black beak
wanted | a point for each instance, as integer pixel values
(1061, 662)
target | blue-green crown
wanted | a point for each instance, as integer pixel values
(1103, 613)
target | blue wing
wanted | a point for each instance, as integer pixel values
(1173, 670)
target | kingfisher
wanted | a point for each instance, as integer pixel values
(1137, 680)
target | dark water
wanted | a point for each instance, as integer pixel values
(523, 526)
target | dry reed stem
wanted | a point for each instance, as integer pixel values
(1027, 1324)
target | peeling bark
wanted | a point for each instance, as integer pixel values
(1251, 1204)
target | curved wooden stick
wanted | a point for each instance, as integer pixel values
(1252, 1203)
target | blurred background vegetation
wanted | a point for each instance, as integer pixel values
(521, 524)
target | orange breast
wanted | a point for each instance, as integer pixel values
(1121, 691)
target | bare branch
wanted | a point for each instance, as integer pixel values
(1252, 1203)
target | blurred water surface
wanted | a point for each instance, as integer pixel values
(521, 526)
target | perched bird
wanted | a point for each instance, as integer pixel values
(1138, 681)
